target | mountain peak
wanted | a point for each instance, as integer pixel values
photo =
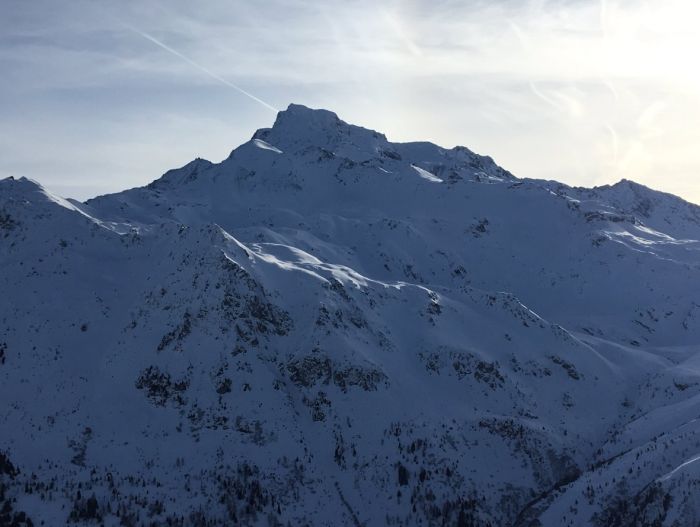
(301, 113)
(21, 183)
(25, 189)
(300, 126)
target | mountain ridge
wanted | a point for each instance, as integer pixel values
(329, 328)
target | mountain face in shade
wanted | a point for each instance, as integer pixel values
(328, 328)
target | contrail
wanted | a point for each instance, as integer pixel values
(201, 68)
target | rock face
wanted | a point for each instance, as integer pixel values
(328, 328)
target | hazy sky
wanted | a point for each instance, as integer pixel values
(99, 96)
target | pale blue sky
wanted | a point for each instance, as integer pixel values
(586, 92)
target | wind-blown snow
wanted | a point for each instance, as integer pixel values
(266, 146)
(426, 175)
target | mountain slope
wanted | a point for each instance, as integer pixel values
(328, 327)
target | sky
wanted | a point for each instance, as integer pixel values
(100, 96)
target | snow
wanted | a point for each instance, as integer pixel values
(680, 467)
(266, 146)
(312, 315)
(426, 175)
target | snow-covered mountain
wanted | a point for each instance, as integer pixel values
(328, 328)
